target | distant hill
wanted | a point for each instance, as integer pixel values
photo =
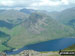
(13, 16)
(1, 10)
(28, 11)
(66, 17)
(54, 14)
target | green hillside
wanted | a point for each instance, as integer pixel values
(31, 28)
(13, 16)
(38, 28)
(3, 38)
(66, 17)
(71, 48)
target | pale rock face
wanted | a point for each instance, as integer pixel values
(35, 53)
(3, 54)
(27, 53)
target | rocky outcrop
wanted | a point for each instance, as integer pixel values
(3, 54)
(29, 53)
(36, 53)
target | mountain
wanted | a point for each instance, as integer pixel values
(30, 28)
(66, 16)
(28, 11)
(2, 10)
(37, 28)
(6, 24)
(54, 14)
(13, 16)
(3, 38)
(2, 34)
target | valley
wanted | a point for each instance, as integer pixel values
(36, 30)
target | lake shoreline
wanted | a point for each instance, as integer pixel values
(51, 45)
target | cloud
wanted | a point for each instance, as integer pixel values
(7, 3)
(37, 4)
(66, 2)
(46, 3)
(50, 3)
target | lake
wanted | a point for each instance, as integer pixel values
(51, 45)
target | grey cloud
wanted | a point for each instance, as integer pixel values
(27, 3)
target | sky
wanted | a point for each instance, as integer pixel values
(51, 5)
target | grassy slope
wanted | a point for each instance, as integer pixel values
(3, 39)
(10, 16)
(71, 48)
(64, 16)
(21, 36)
(2, 47)
(13, 16)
